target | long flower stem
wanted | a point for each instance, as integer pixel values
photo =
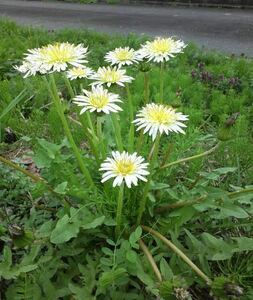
(152, 157)
(34, 177)
(146, 87)
(131, 117)
(130, 103)
(150, 260)
(178, 252)
(180, 204)
(117, 131)
(68, 133)
(154, 150)
(140, 141)
(119, 210)
(90, 124)
(90, 138)
(236, 193)
(143, 202)
(161, 81)
(191, 157)
(100, 137)
(68, 85)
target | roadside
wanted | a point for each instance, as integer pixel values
(243, 4)
(190, 3)
(229, 31)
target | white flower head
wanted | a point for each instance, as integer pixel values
(80, 72)
(161, 49)
(124, 167)
(122, 56)
(27, 69)
(109, 76)
(99, 100)
(159, 118)
(53, 58)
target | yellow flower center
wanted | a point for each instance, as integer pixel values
(58, 53)
(78, 72)
(162, 46)
(125, 167)
(123, 55)
(161, 116)
(110, 76)
(99, 101)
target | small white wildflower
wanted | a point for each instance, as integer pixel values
(109, 76)
(122, 56)
(80, 72)
(99, 100)
(160, 118)
(53, 58)
(161, 49)
(124, 167)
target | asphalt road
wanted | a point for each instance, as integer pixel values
(228, 30)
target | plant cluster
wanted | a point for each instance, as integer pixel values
(124, 204)
(218, 81)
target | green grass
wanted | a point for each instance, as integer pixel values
(211, 88)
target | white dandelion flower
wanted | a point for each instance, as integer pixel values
(99, 100)
(122, 56)
(161, 49)
(54, 58)
(27, 69)
(124, 167)
(80, 72)
(159, 118)
(109, 76)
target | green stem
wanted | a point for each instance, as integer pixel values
(143, 202)
(119, 210)
(68, 133)
(117, 131)
(146, 87)
(100, 137)
(140, 141)
(150, 260)
(131, 117)
(191, 157)
(154, 150)
(34, 177)
(22, 170)
(178, 252)
(161, 81)
(152, 157)
(68, 85)
(180, 204)
(236, 193)
(90, 124)
(90, 138)
(130, 103)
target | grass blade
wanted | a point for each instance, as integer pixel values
(12, 104)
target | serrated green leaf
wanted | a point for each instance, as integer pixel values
(134, 237)
(94, 224)
(243, 244)
(165, 269)
(111, 277)
(64, 230)
(50, 148)
(61, 188)
(131, 256)
(230, 210)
